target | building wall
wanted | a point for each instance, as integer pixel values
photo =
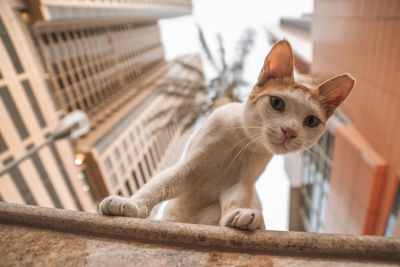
(142, 143)
(138, 153)
(113, 70)
(52, 10)
(88, 55)
(362, 38)
(86, 65)
(28, 116)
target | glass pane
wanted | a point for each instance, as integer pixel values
(19, 181)
(46, 180)
(394, 214)
(10, 48)
(107, 164)
(65, 175)
(13, 112)
(3, 145)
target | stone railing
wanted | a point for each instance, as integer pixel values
(45, 236)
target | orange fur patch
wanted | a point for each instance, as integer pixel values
(281, 84)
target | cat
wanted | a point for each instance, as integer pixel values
(214, 183)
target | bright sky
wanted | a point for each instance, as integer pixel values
(230, 18)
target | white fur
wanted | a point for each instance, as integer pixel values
(214, 184)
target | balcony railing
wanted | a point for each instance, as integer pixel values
(38, 235)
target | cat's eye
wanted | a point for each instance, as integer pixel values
(311, 121)
(277, 103)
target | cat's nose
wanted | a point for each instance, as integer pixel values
(288, 133)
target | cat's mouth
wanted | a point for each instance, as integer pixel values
(277, 144)
(276, 140)
(281, 142)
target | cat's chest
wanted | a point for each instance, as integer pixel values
(224, 167)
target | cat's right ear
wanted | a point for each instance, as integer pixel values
(278, 63)
(334, 91)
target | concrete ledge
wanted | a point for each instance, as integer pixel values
(297, 244)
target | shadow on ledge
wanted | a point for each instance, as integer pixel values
(46, 236)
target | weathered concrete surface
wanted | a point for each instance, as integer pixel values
(31, 235)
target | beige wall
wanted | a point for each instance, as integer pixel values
(49, 10)
(41, 179)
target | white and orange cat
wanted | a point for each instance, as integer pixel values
(214, 183)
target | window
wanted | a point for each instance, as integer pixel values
(125, 145)
(117, 155)
(121, 169)
(129, 160)
(141, 143)
(128, 188)
(113, 180)
(13, 112)
(19, 181)
(315, 179)
(3, 145)
(45, 179)
(107, 164)
(156, 151)
(147, 165)
(152, 158)
(34, 103)
(135, 180)
(65, 176)
(87, 187)
(10, 48)
(394, 214)
(142, 173)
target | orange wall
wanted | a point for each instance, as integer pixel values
(357, 180)
(363, 38)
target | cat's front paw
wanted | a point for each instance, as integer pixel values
(119, 206)
(246, 219)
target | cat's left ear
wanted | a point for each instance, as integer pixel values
(334, 91)
(278, 63)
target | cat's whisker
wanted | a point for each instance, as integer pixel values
(242, 127)
(256, 120)
(233, 147)
(256, 139)
(231, 150)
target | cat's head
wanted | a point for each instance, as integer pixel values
(286, 116)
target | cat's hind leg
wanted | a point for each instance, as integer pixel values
(165, 185)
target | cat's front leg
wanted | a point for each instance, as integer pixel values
(241, 208)
(122, 206)
(168, 184)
